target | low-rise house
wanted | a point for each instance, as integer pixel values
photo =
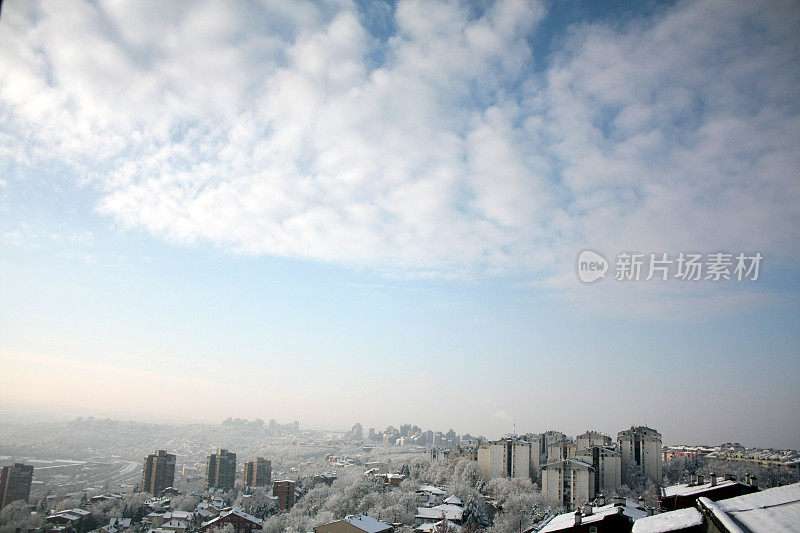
(685, 495)
(72, 520)
(437, 513)
(768, 511)
(443, 526)
(430, 495)
(355, 524)
(176, 525)
(616, 517)
(241, 521)
(688, 520)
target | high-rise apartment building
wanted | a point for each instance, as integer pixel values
(568, 483)
(257, 473)
(15, 483)
(505, 458)
(284, 491)
(640, 447)
(593, 438)
(221, 470)
(607, 465)
(158, 473)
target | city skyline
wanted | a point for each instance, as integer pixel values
(372, 211)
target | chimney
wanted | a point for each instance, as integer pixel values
(641, 502)
(747, 477)
(699, 479)
(651, 511)
(691, 479)
(619, 501)
(600, 500)
(713, 479)
(578, 517)
(587, 509)
(754, 481)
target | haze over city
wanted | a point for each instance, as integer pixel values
(341, 212)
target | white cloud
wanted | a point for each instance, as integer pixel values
(269, 131)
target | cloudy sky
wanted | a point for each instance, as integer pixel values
(339, 212)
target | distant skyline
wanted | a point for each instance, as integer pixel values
(336, 212)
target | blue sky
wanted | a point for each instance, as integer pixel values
(335, 213)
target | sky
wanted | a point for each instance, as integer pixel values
(372, 212)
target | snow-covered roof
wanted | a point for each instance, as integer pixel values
(567, 520)
(671, 521)
(771, 510)
(454, 500)
(431, 489)
(235, 511)
(442, 525)
(685, 489)
(450, 512)
(175, 523)
(367, 523)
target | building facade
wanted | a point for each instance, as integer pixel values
(593, 438)
(284, 491)
(607, 464)
(15, 483)
(258, 472)
(640, 448)
(505, 458)
(221, 470)
(158, 472)
(568, 483)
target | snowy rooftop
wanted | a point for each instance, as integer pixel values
(442, 525)
(685, 489)
(671, 521)
(367, 523)
(771, 510)
(450, 512)
(454, 500)
(431, 489)
(567, 520)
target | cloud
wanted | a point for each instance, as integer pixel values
(442, 145)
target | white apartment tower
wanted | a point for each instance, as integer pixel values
(593, 438)
(505, 458)
(568, 483)
(640, 447)
(607, 465)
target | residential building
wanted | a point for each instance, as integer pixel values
(508, 457)
(766, 511)
(617, 517)
(568, 483)
(158, 472)
(640, 448)
(539, 446)
(446, 511)
(221, 470)
(258, 472)
(593, 438)
(15, 483)
(73, 520)
(607, 465)
(241, 521)
(355, 524)
(284, 490)
(685, 495)
(561, 451)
